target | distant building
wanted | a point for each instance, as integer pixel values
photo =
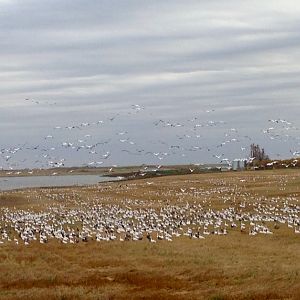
(239, 164)
(225, 168)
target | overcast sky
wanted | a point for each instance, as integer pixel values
(214, 72)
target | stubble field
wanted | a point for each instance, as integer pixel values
(233, 236)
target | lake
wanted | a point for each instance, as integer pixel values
(11, 183)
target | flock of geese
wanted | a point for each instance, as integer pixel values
(143, 211)
(95, 143)
(190, 213)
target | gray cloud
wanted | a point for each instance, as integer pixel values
(177, 59)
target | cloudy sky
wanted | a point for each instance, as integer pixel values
(170, 81)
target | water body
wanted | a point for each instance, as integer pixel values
(12, 183)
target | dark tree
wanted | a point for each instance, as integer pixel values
(257, 153)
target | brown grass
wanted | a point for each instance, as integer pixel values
(230, 267)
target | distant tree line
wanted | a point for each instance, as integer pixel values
(261, 161)
(258, 153)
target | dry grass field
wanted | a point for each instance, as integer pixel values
(232, 266)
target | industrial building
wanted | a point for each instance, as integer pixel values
(239, 164)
